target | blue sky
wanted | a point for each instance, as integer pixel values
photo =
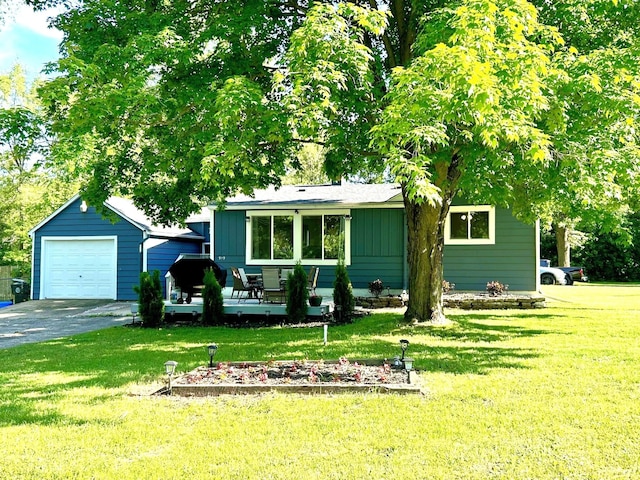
(26, 39)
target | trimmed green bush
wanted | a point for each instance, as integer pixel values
(213, 302)
(150, 301)
(297, 294)
(343, 294)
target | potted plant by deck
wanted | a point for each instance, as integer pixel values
(376, 287)
(315, 300)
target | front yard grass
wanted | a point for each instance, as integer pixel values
(544, 394)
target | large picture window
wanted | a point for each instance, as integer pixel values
(470, 225)
(321, 238)
(312, 237)
(272, 237)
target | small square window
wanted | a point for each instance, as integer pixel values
(470, 225)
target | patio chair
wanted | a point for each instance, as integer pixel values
(312, 280)
(241, 285)
(273, 290)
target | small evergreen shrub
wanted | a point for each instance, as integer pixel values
(297, 294)
(213, 303)
(343, 294)
(150, 301)
(496, 288)
(376, 287)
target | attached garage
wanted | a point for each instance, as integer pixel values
(83, 267)
(79, 254)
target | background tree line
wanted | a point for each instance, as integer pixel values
(606, 255)
(30, 189)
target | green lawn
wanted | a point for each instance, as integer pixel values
(545, 394)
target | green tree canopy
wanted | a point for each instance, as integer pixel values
(595, 170)
(179, 103)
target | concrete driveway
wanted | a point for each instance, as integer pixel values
(41, 320)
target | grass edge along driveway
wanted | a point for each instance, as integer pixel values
(551, 393)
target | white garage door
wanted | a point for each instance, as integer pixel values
(79, 268)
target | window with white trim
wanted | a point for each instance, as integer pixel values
(470, 225)
(314, 237)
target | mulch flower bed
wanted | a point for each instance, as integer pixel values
(294, 376)
(296, 372)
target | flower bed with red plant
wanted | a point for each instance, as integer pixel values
(295, 376)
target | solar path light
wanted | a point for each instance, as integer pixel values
(404, 344)
(212, 349)
(170, 369)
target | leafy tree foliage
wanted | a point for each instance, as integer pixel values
(308, 167)
(28, 190)
(611, 256)
(178, 103)
(593, 178)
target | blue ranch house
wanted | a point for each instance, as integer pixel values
(79, 254)
(366, 225)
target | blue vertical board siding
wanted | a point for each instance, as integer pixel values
(511, 260)
(230, 241)
(378, 250)
(201, 228)
(377, 247)
(70, 222)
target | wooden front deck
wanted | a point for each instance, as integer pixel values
(246, 307)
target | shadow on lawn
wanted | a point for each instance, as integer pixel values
(471, 328)
(44, 374)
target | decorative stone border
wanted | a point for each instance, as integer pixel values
(468, 301)
(465, 301)
(379, 302)
(309, 389)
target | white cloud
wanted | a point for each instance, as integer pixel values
(38, 22)
(27, 39)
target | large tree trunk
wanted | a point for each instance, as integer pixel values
(563, 245)
(425, 244)
(425, 247)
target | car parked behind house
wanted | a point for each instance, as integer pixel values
(572, 274)
(554, 276)
(577, 273)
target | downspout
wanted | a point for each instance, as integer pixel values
(405, 251)
(143, 252)
(212, 238)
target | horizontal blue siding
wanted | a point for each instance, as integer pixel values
(70, 222)
(201, 228)
(161, 257)
(512, 260)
